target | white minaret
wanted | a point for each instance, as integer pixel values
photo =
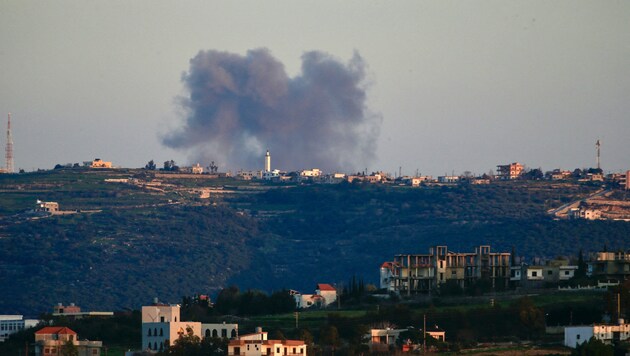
(267, 162)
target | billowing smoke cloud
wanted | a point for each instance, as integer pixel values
(239, 106)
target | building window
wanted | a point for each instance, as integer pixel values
(224, 333)
(155, 332)
(534, 273)
(161, 332)
(566, 273)
(149, 334)
(549, 273)
(237, 350)
(233, 333)
(215, 333)
(577, 337)
(161, 319)
(207, 332)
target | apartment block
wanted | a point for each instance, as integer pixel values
(509, 171)
(610, 265)
(419, 273)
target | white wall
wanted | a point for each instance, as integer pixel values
(576, 335)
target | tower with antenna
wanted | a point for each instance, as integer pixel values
(9, 149)
(597, 146)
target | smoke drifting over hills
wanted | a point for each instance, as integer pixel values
(239, 106)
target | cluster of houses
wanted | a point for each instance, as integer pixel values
(406, 274)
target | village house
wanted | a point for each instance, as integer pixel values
(51, 341)
(382, 340)
(99, 163)
(258, 344)
(73, 311)
(606, 333)
(324, 295)
(540, 274)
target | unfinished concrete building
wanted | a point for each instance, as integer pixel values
(421, 273)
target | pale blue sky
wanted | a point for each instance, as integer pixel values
(460, 85)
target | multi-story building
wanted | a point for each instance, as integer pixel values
(10, 324)
(610, 265)
(257, 344)
(51, 341)
(509, 171)
(417, 273)
(161, 326)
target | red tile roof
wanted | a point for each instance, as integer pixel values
(326, 287)
(59, 330)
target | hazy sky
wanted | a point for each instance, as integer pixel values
(459, 85)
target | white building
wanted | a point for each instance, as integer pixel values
(328, 292)
(448, 179)
(10, 324)
(161, 326)
(257, 344)
(315, 172)
(607, 333)
(269, 175)
(325, 294)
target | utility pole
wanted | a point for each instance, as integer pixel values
(424, 334)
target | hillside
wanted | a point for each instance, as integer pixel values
(142, 236)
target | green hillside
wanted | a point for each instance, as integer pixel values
(154, 236)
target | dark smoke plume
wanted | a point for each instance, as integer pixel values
(240, 106)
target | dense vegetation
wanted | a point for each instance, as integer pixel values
(142, 243)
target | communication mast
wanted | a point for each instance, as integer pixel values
(597, 145)
(9, 149)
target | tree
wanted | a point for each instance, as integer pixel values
(593, 347)
(187, 344)
(532, 319)
(329, 337)
(69, 349)
(533, 174)
(150, 166)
